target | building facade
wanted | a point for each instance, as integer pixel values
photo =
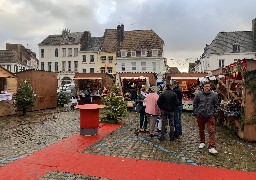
(137, 51)
(227, 48)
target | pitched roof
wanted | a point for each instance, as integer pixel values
(224, 41)
(70, 38)
(93, 44)
(133, 40)
(173, 70)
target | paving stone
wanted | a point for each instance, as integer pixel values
(21, 136)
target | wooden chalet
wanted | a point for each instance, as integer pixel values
(44, 84)
(8, 86)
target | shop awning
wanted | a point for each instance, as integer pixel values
(88, 78)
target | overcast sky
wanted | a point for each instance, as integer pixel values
(186, 26)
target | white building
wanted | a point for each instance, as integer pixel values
(227, 48)
(67, 54)
(137, 51)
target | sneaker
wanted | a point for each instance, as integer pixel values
(213, 151)
(201, 146)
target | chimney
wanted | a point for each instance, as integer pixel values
(254, 29)
(122, 33)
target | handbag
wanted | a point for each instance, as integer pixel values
(138, 107)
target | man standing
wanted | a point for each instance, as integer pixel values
(178, 110)
(167, 102)
(206, 107)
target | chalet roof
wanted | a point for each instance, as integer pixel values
(8, 72)
(224, 41)
(133, 40)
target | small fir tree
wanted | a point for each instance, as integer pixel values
(115, 106)
(62, 99)
(24, 97)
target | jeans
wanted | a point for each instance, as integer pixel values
(143, 118)
(177, 121)
(167, 117)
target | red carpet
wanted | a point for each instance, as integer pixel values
(65, 156)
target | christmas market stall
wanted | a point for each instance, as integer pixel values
(131, 84)
(8, 86)
(189, 83)
(92, 86)
(238, 89)
(44, 85)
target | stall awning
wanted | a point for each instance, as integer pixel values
(88, 78)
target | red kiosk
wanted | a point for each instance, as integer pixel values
(89, 118)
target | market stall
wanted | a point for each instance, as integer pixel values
(91, 87)
(238, 105)
(8, 86)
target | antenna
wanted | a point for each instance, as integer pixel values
(120, 20)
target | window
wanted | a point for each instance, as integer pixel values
(75, 52)
(75, 65)
(221, 63)
(84, 70)
(110, 59)
(69, 52)
(154, 66)
(42, 53)
(91, 58)
(102, 70)
(64, 52)
(103, 59)
(123, 66)
(143, 53)
(16, 69)
(42, 66)
(143, 66)
(236, 47)
(9, 67)
(110, 70)
(49, 66)
(154, 52)
(133, 53)
(56, 67)
(133, 66)
(123, 53)
(69, 65)
(84, 58)
(56, 52)
(91, 70)
(63, 65)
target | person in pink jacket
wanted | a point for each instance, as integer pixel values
(152, 110)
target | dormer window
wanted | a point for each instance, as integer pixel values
(155, 52)
(133, 53)
(236, 47)
(144, 53)
(123, 53)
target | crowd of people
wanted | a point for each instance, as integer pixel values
(160, 112)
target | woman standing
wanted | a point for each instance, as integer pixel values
(152, 110)
(142, 104)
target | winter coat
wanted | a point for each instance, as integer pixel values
(168, 101)
(206, 105)
(151, 104)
